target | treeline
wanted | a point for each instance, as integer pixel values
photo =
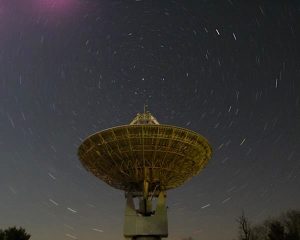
(284, 227)
(13, 233)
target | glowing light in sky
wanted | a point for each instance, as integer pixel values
(56, 6)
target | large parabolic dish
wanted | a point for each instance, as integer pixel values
(126, 156)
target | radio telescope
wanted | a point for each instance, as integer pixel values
(145, 159)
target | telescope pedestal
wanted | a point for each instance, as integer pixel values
(145, 224)
(147, 238)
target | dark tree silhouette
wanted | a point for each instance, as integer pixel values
(244, 227)
(276, 231)
(260, 232)
(284, 227)
(1, 235)
(13, 233)
(292, 223)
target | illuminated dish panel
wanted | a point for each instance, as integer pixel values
(125, 156)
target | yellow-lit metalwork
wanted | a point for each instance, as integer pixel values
(145, 154)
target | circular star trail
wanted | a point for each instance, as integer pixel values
(226, 69)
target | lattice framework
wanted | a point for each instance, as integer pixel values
(166, 156)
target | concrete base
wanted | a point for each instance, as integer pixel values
(140, 226)
(147, 238)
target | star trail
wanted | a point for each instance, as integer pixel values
(229, 70)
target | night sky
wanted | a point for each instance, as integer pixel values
(229, 70)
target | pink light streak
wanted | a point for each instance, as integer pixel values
(55, 7)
